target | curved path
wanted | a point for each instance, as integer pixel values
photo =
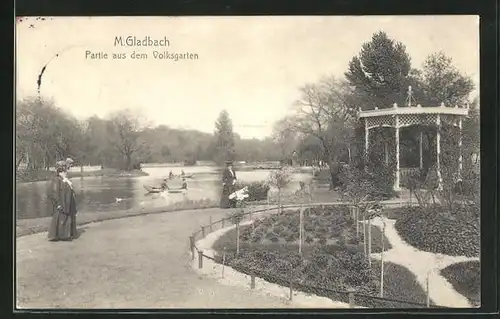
(135, 262)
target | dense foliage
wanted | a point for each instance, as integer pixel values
(45, 133)
(256, 190)
(466, 279)
(435, 231)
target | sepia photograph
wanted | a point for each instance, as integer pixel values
(247, 162)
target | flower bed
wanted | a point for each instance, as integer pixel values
(331, 262)
(465, 278)
(435, 232)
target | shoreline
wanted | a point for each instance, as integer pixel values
(43, 176)
(25, 227)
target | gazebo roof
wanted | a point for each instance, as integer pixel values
(415, 110)
(412, 115)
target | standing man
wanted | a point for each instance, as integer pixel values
(228, 182)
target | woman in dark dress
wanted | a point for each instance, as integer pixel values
(228, 182)
(63, 224)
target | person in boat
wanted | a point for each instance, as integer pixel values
(182, 173)
(228, 186)
(62, 195)
(170, 175)
(164, 184)
(184, 184)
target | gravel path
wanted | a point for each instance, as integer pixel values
(421, 263)
(136, 262)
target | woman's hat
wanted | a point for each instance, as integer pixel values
(61, 165)
(229, 162)
(69, 161)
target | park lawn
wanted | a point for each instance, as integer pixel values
(465, 278)
(336, 264)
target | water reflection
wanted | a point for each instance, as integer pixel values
(98, 194)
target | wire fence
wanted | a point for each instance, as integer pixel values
(351, 296)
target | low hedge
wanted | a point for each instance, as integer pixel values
(432, 231)
(256, 190)
(465, 277)
(329, 272)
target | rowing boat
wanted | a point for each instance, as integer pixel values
(153, 189)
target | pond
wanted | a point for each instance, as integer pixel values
(101, 194)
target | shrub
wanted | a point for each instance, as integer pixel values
(290, 236)
(353, 241)
(272, 236)
(278, 229)
(322, 239)
(256, 237)
(256, 190)
(431, 230)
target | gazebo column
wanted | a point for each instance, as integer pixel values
(386, 154)
(396, 182)
(438, 152)
(367, 139)
(420, 150)
(460, 159)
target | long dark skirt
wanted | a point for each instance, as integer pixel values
(225, 202)
(62, 227)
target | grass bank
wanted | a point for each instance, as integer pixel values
(435, 231)
(43, 175)
(465, 277)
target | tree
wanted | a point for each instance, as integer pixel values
(380, 72)
(326, 112)
(280, 178)
(224, 138)
(438, 82)
(123, 129)
(285, 138)
(441, 82)
(44, 134)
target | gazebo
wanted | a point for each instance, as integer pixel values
(408, 115)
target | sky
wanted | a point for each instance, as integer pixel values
(251, 66)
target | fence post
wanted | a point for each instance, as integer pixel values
(252, 281)
(191, 244)
(369, 241)
(238, 239)
(223, 261)
(223, 222)
(356, 213)
(200, 259)
(210, 223)
(291, 291)
(203, 231)
(428, 294)
(352, 301)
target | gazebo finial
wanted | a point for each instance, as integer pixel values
(409, 97)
